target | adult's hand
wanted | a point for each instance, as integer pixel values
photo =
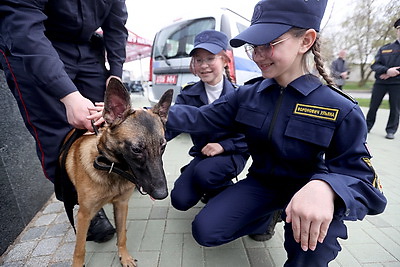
(393, 71)
(77, 108)
(311, 211)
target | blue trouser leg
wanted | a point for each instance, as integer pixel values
(242, 209)
(202, 175)
(245, 208)
(322, 255)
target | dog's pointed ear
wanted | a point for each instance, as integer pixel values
(116, 101)
(162, 107)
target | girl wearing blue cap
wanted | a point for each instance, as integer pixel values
(307, 141)
(217, 157)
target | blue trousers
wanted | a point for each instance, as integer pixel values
(205, 175)
(245, 208)
(44, 115)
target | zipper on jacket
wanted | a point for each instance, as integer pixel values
(276, 113)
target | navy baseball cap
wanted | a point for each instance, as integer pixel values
(272, 18)
(210, 40)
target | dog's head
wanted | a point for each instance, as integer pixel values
(136, 137)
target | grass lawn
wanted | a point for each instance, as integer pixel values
(364, 102)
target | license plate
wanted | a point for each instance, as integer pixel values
(166, 79)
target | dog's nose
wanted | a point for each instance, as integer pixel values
(159, 193)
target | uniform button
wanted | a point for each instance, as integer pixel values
(347, 212)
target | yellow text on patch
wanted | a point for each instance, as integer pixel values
(317, 112)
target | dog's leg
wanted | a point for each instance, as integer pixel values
(121, 214)
(84, 217)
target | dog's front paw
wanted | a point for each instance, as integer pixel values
(128, 261)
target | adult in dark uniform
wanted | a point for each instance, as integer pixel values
(55, 67)
(387, 80)
(307, 142)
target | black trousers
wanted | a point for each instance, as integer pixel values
(378, 92)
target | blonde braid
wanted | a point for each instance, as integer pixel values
(319, 64)
(228, 73)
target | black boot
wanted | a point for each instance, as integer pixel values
(276, 217)
(100, 229)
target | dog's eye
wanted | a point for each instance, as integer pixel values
(136, 149)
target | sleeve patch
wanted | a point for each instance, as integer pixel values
(376, 181)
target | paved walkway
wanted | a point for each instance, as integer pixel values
(160, 236)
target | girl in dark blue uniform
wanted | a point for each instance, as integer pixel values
(307, 142)
(217, 157)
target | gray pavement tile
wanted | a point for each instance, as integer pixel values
(20, 251)
(45, 219)
(147, 258)
(370, 253)
(140, 213)
(33, 233)
(38, 261)
(171, 250)
(153, 235)
(219, 257)
(64, 252)
(193, 253)
(135, 233)
(101, 259)
(46, 246)
(158, 213)
(259, 257)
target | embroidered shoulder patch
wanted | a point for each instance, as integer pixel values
(376, 182)
(317, 112)
(387, 51)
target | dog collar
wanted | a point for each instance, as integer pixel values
(104, 164)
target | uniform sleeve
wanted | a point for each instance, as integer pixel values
(169, 135)
(379, 65)
(216, 117)
(234, 144)
(115, 36)
(22, 30)
(350, 173)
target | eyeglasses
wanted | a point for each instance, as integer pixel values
(208, 60)
(267, 49)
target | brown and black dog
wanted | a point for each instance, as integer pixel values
(131, 138)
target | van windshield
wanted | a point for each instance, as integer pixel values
(176, 41)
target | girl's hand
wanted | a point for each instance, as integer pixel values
(212, 149)
(311, 211)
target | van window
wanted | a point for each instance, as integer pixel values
(177, 40)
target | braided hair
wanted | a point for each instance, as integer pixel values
(316, 50)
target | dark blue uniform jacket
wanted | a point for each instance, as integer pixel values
(195, 95)
(303, 132)
(388, 56)
(27, 26)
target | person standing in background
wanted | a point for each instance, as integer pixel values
(54, 63)
(387, 80)
(340, 70)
